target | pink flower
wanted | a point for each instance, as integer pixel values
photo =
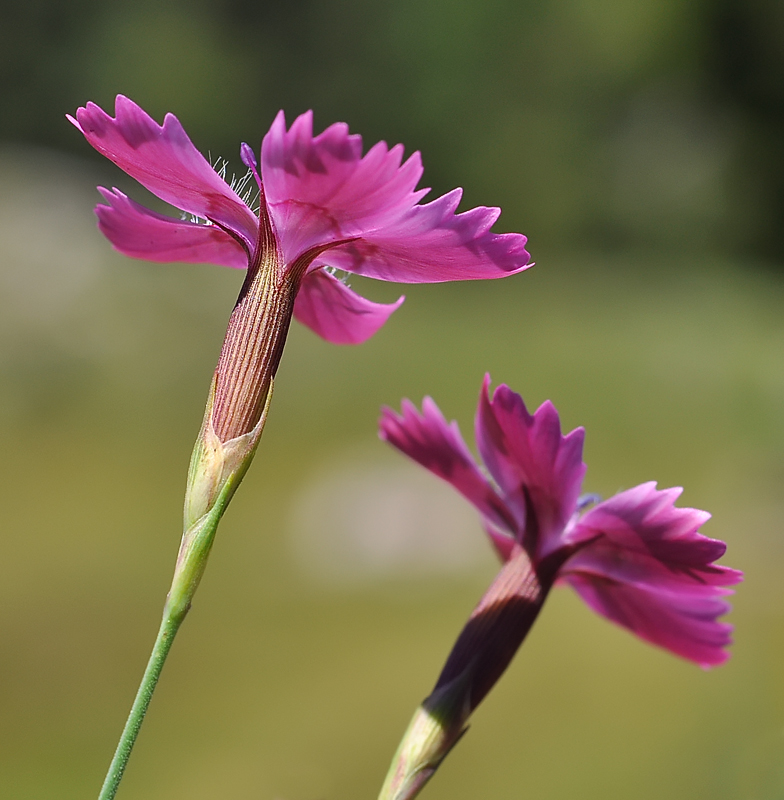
(635, 558)
(322, 206)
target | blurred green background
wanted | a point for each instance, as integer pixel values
(640, 145)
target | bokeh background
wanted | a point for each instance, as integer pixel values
(640, 145)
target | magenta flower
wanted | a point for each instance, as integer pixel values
(635, 558)
(321, 206)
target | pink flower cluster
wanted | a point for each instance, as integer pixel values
(309, 208)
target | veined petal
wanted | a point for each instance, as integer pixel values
(329, 308)
(163, 159)
(320, 189)
(140, 233)
(645, 566)
(539, 470)
(683, 623)
(438, 446)
(641, 536)
(432, 244)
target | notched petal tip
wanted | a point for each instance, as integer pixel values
(427, 438)
(386, 421)
(645, 566)
(539, 470)
(322, 189)
(141, 233)
(74, 122)
(165, 161)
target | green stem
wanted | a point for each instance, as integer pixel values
(216, 469)
(192, 559)
(172, 619)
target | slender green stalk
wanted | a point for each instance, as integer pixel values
(192, 559)
(216, 470)
(169, 626)
(191, 562)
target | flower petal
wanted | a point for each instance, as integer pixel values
(640, 536)
(645, 566)
(320, 189)
(140, 233)
(336, 313)
(428, 439)
(539, 470)
(683, 623)
(163, 159)
(431, 244)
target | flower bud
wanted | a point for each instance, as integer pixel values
(216, 469)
